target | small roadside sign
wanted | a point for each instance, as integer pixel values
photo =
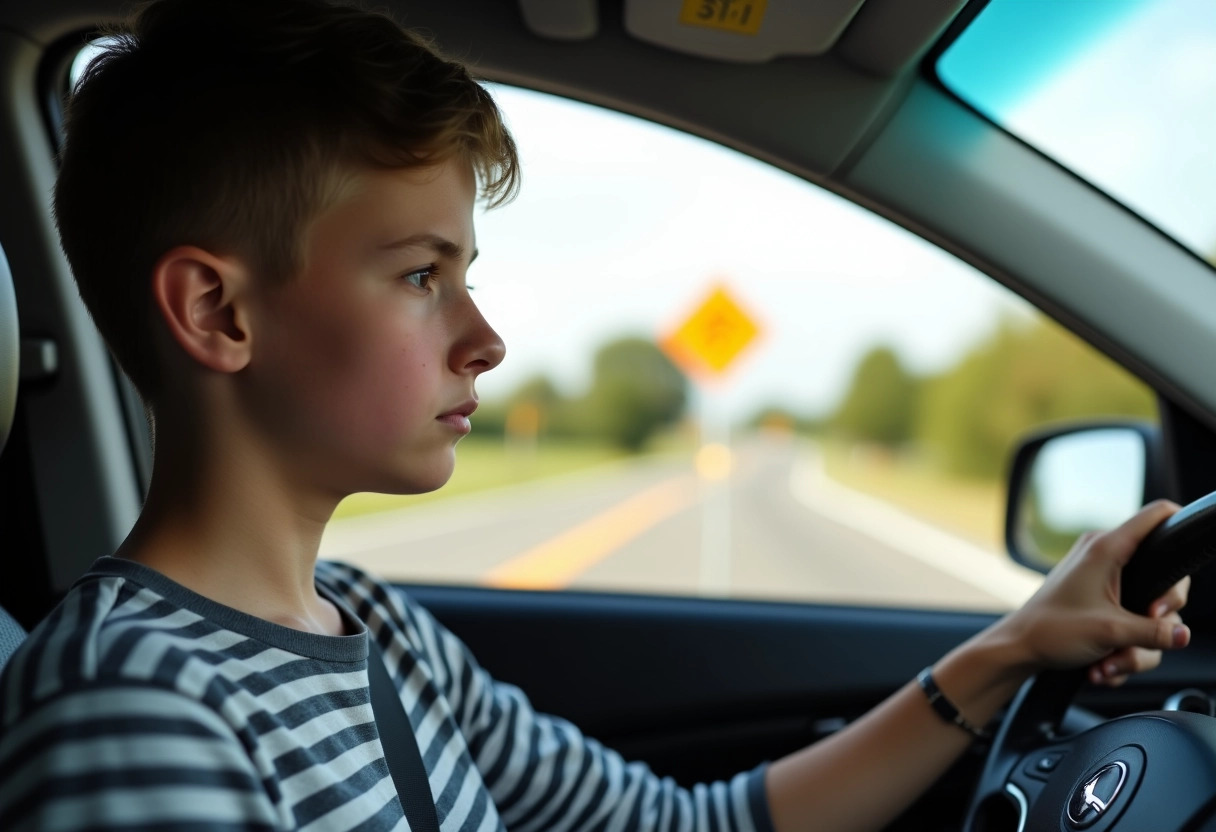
(712, 337)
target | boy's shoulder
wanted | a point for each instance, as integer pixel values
(68, 648)
(134, 679)
(123, 626)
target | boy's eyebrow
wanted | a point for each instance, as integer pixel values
(444, 246)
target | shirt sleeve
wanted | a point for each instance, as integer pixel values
(125, 756)
(543, 774)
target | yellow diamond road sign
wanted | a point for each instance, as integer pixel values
(712, 336)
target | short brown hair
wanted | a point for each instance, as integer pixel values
(228, 124)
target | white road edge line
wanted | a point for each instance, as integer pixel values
(984, 569)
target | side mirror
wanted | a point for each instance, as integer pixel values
(1077, 478)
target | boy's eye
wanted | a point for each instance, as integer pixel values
(421, 278)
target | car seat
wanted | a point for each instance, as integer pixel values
(11, 633)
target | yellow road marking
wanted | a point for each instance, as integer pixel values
(555, 563)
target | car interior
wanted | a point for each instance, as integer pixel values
(849, 99)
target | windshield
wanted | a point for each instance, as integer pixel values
(1119, 91)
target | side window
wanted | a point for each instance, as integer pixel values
(854, 451)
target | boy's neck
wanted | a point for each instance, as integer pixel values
(226, 522)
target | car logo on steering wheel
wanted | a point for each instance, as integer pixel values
(1091, 799)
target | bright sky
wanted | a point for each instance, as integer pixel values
(622, 226)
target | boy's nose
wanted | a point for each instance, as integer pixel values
(492, 353)
(481, 349)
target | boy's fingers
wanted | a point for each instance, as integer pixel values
(1126, 662)
(1154, 633)
(1124, 540)
(1173, 600)
(1098, 677)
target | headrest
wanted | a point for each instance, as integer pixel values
(10, 350)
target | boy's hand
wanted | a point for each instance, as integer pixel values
(1075, 618)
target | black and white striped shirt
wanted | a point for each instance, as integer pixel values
(139, 704)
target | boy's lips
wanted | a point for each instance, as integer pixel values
(458, 417)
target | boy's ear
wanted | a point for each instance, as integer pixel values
(202, 299)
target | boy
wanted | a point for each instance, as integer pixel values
(279, 267)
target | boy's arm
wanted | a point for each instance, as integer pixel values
(1074, 620)
(543, 773)
(120, 755)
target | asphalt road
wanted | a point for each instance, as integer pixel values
(774, 528)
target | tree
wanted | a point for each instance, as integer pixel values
(880, 405)
(534, 404)
(494, 416)
(537, 390)
(1021, 376)
(635, 391)
(777, 417)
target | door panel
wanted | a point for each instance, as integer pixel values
(701, 689)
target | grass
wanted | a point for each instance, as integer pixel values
(974, 509)
(483, 463)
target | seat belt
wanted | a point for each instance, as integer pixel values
(400, 745)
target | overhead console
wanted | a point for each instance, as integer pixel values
(880, 36)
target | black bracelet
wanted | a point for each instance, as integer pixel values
(944, 707)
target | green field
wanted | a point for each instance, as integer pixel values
(490, 463)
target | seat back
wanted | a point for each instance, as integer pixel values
(11, 633)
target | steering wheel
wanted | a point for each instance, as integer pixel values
(1148, 771)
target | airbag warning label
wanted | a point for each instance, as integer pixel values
(740, 16)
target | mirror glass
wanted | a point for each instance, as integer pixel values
(1086, 481)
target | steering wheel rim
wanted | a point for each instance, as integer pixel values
(1182, 545)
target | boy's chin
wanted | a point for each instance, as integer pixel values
(404, 478)
(424, 481)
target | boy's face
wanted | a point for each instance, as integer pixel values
(363, 365)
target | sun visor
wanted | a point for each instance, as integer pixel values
(746, 31)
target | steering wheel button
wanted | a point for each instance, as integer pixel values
(1048, 762)
(1042, 763)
